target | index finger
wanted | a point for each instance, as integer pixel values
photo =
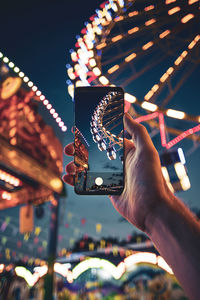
(69, 149)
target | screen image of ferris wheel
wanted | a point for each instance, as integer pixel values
(98, 143)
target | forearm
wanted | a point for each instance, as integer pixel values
(176, 234)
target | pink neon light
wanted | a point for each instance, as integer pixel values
(177, 139)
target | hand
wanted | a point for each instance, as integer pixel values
(145, 186)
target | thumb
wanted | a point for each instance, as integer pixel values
(138, 132)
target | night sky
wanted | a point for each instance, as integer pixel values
(37, 36)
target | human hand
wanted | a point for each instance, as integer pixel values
(145, 186)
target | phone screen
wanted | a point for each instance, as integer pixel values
(99, 137)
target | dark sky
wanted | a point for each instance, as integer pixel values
(37, 36)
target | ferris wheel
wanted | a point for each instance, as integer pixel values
(106, 118)
(152, 50)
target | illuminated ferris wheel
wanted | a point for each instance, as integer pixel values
(151, 49)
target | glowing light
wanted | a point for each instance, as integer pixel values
(164, 77)
(162, 264)
(16, 69)
(101, 46)
(165, 174)
(46, 102)
(133, 13)
(56, 184)
(116, 38)
(58, 119)
(61, 124)
(148, 95)
(1, 54)
(180, 170)
(175, 114)
(129, 98)
(64, 128)
(191, 45)
(5, 59)
(92, 62)
(150, 7)
(169, 1)
(149, 106)
(150, 22)
(6, 196)
(118, 19)
(55, 115)
(21, 74)
(26, 79)
(185, 183)
(113, 69)
(133, 30)
(34, 88)
(94, 263)
(190, 2)
(30, 83)
(49, 106)
(38, 93)
(164, 34)
(155, 87)
(130, 57)
(99, 181)
(26, 274)
(181, 155)
(147, 46)
(103, 80)
(96, 71)
(140, 258)
(170, 70)
(187, 18)
(174, 10)
(42, 97)
(11, 64)
(184, 53)
(178, 60)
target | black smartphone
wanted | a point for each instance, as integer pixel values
(99, 140)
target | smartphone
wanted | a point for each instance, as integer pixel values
(99, 140)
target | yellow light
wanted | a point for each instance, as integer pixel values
(16, 69)
(79, 83)
(165, 173)
(101, 46)
(150, 7)
(1, 54)
(147, 46)
(21, 74)
(192, 1)
(169, 1)
(120, 18)
(113, 69)
(133, 30)
(184, 53)
(133, 13)
(30, 83)
(162, 264)
(164, 77)
(170, 70)
(11, 64)
(26, 79)
(130, 57)
(91, 53)
(92, 62)
(149, 106)
(178, 60)
(197, 38)
(116, 38)
(5, 59)
(155, 87)
(149, 22)
(130, 98)
(96, 71)
(71, 90)
(173, 10)
(148, 95)
(180, 170)
(56, 184)
(187, 18)
(185, 183)
(175, 114)
(140, 258)
(164, 34)
(191, 45)
(103, 80)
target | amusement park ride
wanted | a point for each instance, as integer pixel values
(128, 42)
